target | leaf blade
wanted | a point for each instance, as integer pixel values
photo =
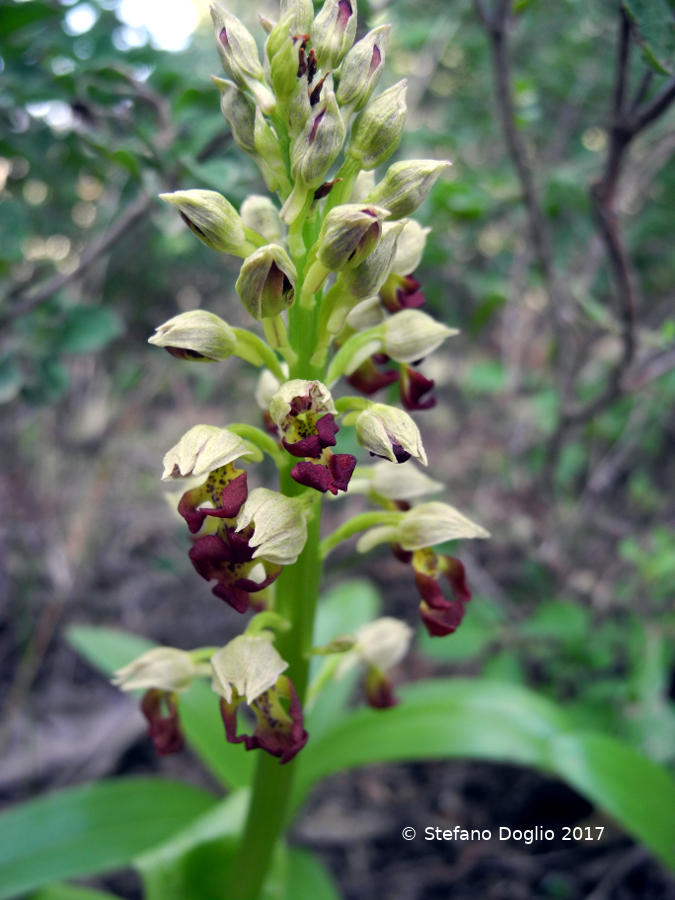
(90, 828)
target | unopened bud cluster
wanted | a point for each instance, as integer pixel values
(326, 279)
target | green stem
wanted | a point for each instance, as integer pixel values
(254, 350)
(260, 439)
(356, 524)
(296, 596)
(341, 361)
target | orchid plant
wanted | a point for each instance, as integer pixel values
(327, 273)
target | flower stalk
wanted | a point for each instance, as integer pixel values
(326, 278)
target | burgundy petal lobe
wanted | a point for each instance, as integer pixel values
(238, 542)
(187, 507)
(440, 621)
(164, 730)
(455, 572)
(405, 556)
(252, 587)
(327, 428)
(307, 446)
(276, 736)
(312, 475)
(299, 735)
(429, 590)
(228, 713)
(368, 380)
(236, 597)
(207, 554)
(400, 454)
(233, 498)
(440, 616)
(414, 386)
(341, 467)
(379, 690)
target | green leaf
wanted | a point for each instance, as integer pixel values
(559, 620)
(441, 719)
(308, 878)
(87, 328)
(635, 791)
(108, 650)
(437, 719)
(342, 610)
(655, 21)
(92, 828)
(194, 863)
(71, 892)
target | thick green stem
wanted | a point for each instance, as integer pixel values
(296, 596)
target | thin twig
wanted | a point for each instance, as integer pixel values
(94, 251)
(496, 26)
(626, 124)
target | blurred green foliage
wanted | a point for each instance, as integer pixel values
(94, 124)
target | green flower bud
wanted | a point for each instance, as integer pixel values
(333, 31)
(389, 432)
(299, 107)
(280, 527)
(409, 247)
(237, 48)
(266, 283)
(348, 235)
(318, 144)
(300, 13)
(213, 219)
(282, 60)
(411, 335)
(248, 665)
(378, 128)
(365, 279)
(203, 449)
(266, 142)
(197, 335)
(238, 53)
(239, 111)
(163, 668)
(259, 213)
(362, 68)
(406, 185)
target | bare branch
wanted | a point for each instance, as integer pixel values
(94, 251)
(655, 108)
(496, 26)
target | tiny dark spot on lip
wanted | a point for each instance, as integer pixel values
(223, 37)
